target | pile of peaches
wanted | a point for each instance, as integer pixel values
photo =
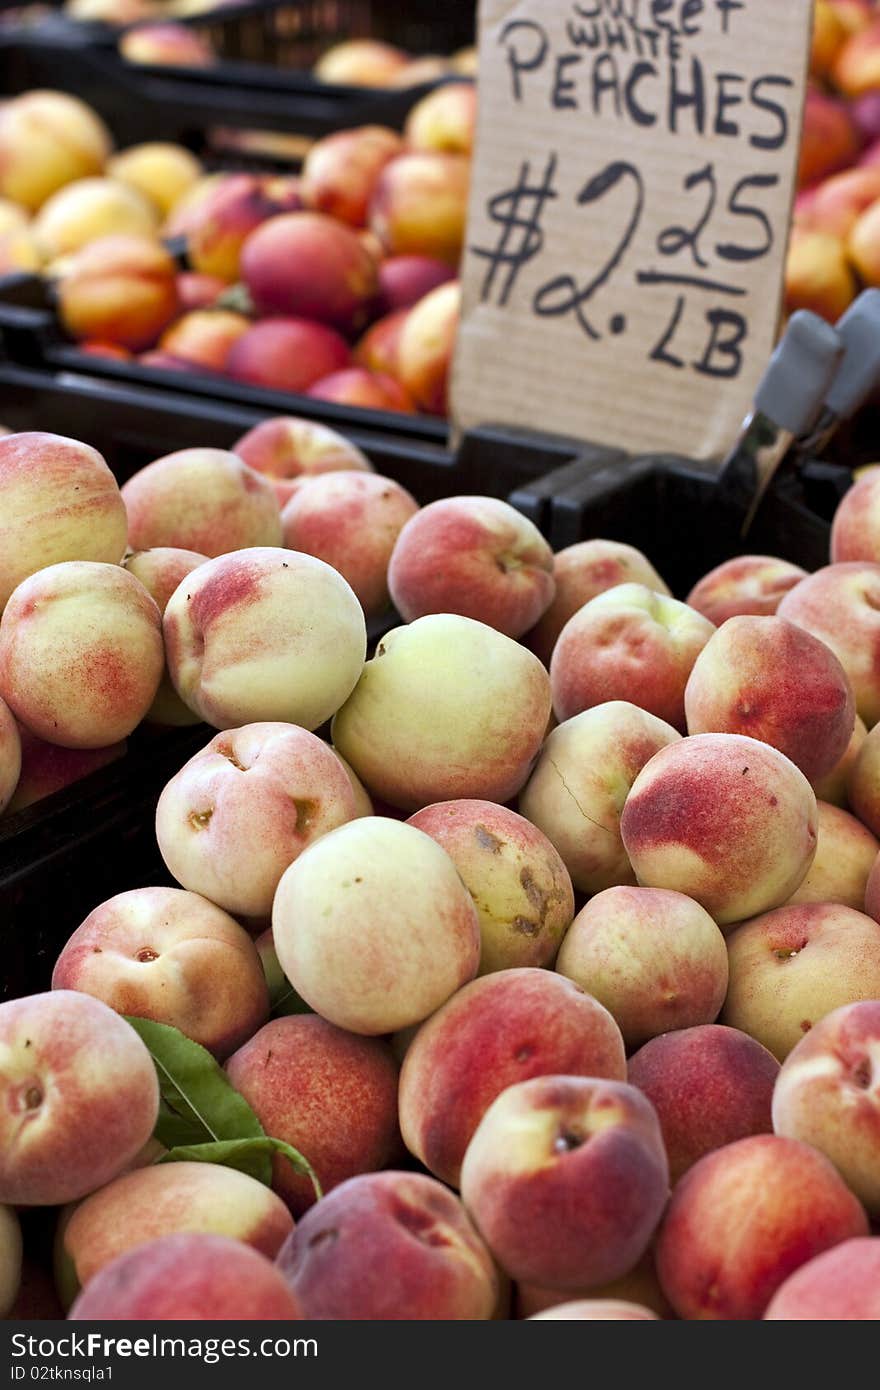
(339, 282)
(547, 938)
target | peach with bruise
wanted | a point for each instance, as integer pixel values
(845, 854)
(80, 653)
(579, 784)
(521, 888)
(597, 1310)
(639, 1285)
(10, 1260)
(287, 354)
(475, 556)
(840, 604)
(264, 634)
(158, 44)
(828, 1096)
(855, 531)
(444, 120)
(121, 289)
(168, 1199)
(196, 290)
(289, 450)
(818, 274)
(161, 570)
(840, 1285)
(833, 787)
(79, 1097)
(743, 1219)
(791, 967)
(628, 643)
(710, 1086)
(223, 220)
(192, 1277)
(773, 681)
(329, 1093)
(46, 768)
(206, 500)
(829, 141)
(204, 337)
(89, 209)
(48, 139)
(306, 264)
(566, 1178)
(341, 170)
(419, 206)
(427, 343)
(378, 349)
(725, 819)
(160, 170)
(489, 700)
(352, 521)
(404, 280)
(654, 958)
(747, 584)
(239, 812)
(10, 755)
(357, 386)
(172, 957)
(360, 63)
(504, 1028)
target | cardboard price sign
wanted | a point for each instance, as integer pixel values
(629, 214)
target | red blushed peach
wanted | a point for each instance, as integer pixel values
(79, 1097)
(475, 556)
(80, 653)
(289, 451)
(121, 289)
(444, 120)
(840, 201)
(10, 1260)
(357, 386)
(306, 264)
(238, 813)
(791, 967)
(840, 604)
(845, 854)
(162, 1200)
(378, 349)
(747, 584)
(710, 1086)
(773, 681)
(828, 1095)
(597, 1310)
(374, 927)
(427, 342)
(161, 570)
(841, 1285)
(329, 1093)
(489, 700)
(10, 755)
(728, 820)
(204, 337)
(90, 209)
(419, 206)
(654, 958)
(505, 1028)
(264, 634)
(188, 1277)
(855, 531)
(222, 222)
(287, 354)
(628, 643)
(46, 768)
(206, 500)
(360, 63)
(833, 786)
(404, 280)
(198, 291)
(746, 1217)
(173, 957)
(830, 140)
(341, 171)
(160, 170)
(566, 1178)
(351, 521)
(581, 572)
(520, 886)
(818, 275)
(166, 43)
(388, 1247)
(48, 139)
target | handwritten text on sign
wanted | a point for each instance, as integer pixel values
(629, 215)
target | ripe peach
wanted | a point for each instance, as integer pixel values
(419, 206)
(597, 1310)
(833, 786)
(198, 291)
(287, 354)
(841, 200)
(222, 221)
(204, 337)
(504, 1028)
(862, 245)
(863, 783)
(378, 349)
(341, 170)
(161, 171)
(13, 217)
(79, 1097)
(360, 63)
(404, 280)
(845, 854)
(357, 386)
(841, 1285)
(204, 500)
(840, 604)
(289, 450)
(91, 208)
(856, 67)
(46, 768)
(307, 264)
(427, 342)
(10, 1260)
(818, 275)
(19, 250)
(855, 531)
(121, 289)
(10, 755)
(829, 140)
(160, 570)
(47, 140)
(158, 44)
(829, 35)
(747, 584)
(444, 120)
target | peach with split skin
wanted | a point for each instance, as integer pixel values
(419, 206)
(308, 265)
(287, 354)
(196, 290)
(489, 702)
(329, 1093)
(404, 280)
(173, 957)
(161, 570)
(828, 1095)
(475, 556)
(360, 63)
(521, 888)
(187, 1277)
(374, 927)
(10, 755)
(222, 221)
(725, 819)
(791, 967)
(341, 170)
(206, 500)
(747, 584)
(264, 634)
(840, 201)
(566, 1179)
(499, 1030)
(628, 643)
(710, 1086)
(80, 653)
(855, 530)
(444, 120)
(352, 521)
(845, 855)
(840, 604)
(840, 1285)
(168, 43)
(91, 208)
(597, 1310)
(121, 289)
(48, 139)
(818, 274)
(378, 349)
(363, 389)
(160, 170)
(579, 784)
(289, 450)
(204, 337)
(856, 67)
(833, 787)
(427, 343)
(830, 139)
(242, 810)
(46, 768)
(10, 1259)
(743, 1219)
(654, 958)
(80, 1097)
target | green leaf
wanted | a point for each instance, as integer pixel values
(251, 1156)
